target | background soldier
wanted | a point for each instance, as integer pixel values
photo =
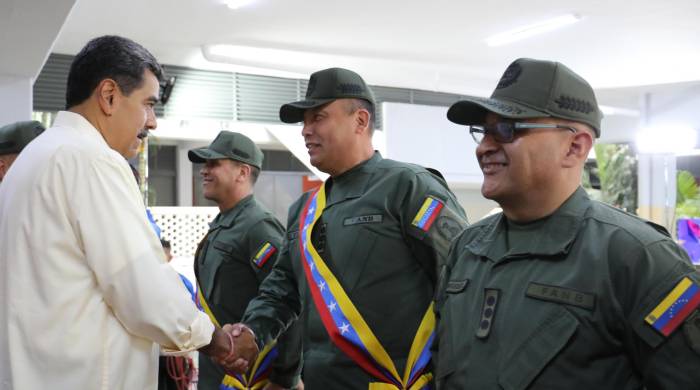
(13, 138)
(237, 253)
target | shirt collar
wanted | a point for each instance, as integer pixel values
(78, 122)
(352, 183)
(226, 218)
(553, 236)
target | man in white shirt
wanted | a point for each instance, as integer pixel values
(85, 293)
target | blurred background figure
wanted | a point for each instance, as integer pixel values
(13, 138)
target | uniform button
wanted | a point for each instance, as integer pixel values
(485, 324)
(490, 300)
(488, 312)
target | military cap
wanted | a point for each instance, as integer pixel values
(227, 144)
(15, 136)
(533, 89)
(324, 87)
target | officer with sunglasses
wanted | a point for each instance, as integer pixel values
(558, 291)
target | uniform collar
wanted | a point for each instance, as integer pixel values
(225, 219)
(553, 235)
(353, 183)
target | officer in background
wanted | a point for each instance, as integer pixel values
(13, 138)
(361, 252)
(237, 253)
(558, 291)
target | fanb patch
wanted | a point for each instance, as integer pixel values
(675, 307)
(428, 213)
(264, 254)
(563, 295)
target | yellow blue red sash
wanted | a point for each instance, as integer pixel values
(346, 327)
(256, 378)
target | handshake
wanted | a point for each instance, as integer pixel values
(233, 347)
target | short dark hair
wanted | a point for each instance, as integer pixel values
(113, 57)
(254, 171)
(254, 174)
(165, 243)
(356, 104)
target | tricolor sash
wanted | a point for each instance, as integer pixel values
(256, 378)
(346, 327)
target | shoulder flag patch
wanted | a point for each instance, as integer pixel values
(264, 254)
(427, 213)
(675, 307)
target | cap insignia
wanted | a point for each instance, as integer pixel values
(573, 104)
(510, 76)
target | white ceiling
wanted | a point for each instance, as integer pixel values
(434, 45)
(28, 30)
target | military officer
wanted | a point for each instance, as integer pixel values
(361, 252)
(558, 291)
(237, 253)
(13, 138)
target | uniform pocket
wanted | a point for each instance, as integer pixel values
(538, 349)
(350, 275)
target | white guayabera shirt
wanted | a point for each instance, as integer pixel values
(85, 293)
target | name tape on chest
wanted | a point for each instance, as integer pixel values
(561, 295)
(373, 218)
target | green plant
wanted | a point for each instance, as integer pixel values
(617, 172)
(687, 196)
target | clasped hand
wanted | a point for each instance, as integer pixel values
(233, 347)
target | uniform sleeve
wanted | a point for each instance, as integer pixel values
(278, 303)
(432, 218)
(144, 292)
(655, 277)
(287, 367)
(265, 241)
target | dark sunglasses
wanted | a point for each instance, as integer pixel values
(504, 132)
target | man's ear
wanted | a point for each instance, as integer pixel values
(580, 144)
(106, 92)
(245, 172)
(362, 120)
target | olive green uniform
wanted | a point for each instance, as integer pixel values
(386, 265)
(229, 278)
(560, 303)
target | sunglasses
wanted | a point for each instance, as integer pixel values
(504, 132)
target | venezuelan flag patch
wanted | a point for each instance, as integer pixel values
(675, 307)
(427, 213)
(264, 254)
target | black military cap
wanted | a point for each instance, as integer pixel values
(534, 89)
(324, 87)
(227, 144)
(15, 136)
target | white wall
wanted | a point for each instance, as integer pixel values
(423, 135)
(473, 203)
(15, 99)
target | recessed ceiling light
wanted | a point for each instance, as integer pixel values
(533, 29)
(236, 4)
